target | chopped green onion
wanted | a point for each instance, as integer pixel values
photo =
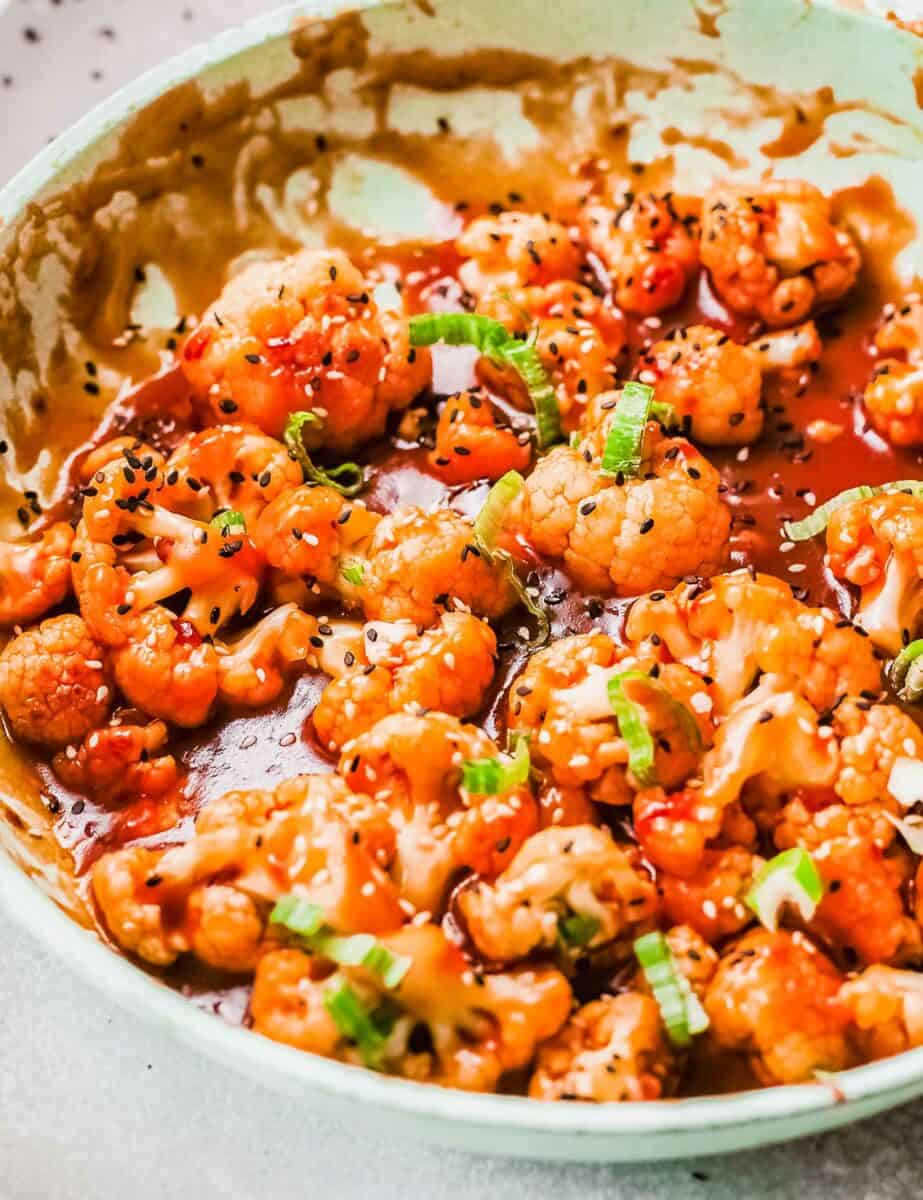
(363, 950)
(489, 521)
(492, 776)
(487, 526)
(297, 915)
(460, 329)
(306, 921)
(230, 522)
(578, 929)
(911, 830)
(818, 520)
(496, 342)
(680, 1009)
(369, 1030)
(354, 573)
(665, 414)
(633, 729)
(348, 478)
(624, 449)
(906, 673)
(524, 359)
(789, 878)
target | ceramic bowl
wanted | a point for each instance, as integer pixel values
(712, 85)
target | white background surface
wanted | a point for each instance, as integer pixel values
(95, 1105)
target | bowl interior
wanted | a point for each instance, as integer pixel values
(360, 126)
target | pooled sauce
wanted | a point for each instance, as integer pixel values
(783, 476)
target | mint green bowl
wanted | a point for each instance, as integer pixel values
(872, 66)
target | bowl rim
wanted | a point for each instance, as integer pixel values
(24, 901)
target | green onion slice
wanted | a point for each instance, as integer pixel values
(487, 526)
(348, 478)
(680, 1009)
(624, 449)
(230, 522)
(578, 929)
(354, 573)
(369, 1029)
(630, 718)
(496, 342)
(665, 414)
(493, 776)
(297, 915)
(818, 520)
(789, 878)
(306, 921)
(906, 673)
(524, 359)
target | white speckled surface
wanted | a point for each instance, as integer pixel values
(94, 1105)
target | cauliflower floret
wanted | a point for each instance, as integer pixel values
(647, 247)
(310, 530)
(711, 901)
(252, 670)
(873, 738)
(741, 624)
(674, 829)
(132, 911)
(877, 544)
(773, 250)
(715, 385)
(212, 895)
(442, 1024)
(813, 818)
(166, 669)
(561, 702)
(515, 249)
(447, 668)
(578, 337)
(34, 576)
(611, 1050)
(560, 874)
(893, 400)
(220, 567)
(227, 467)
(894, 397)
(629, 537)
(471, 446)
(862, 912)
(887, 1010)
(122, 761)
(288, 1004)
(419, 564)
(412, 765)
(775, 998)
(747, 745)
(302, 333)
(54, 683)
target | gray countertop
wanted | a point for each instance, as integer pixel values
(94, 1103)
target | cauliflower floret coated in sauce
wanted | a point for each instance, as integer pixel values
(54, 682)
(775, 252)
(625, 538)
(303, 334)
